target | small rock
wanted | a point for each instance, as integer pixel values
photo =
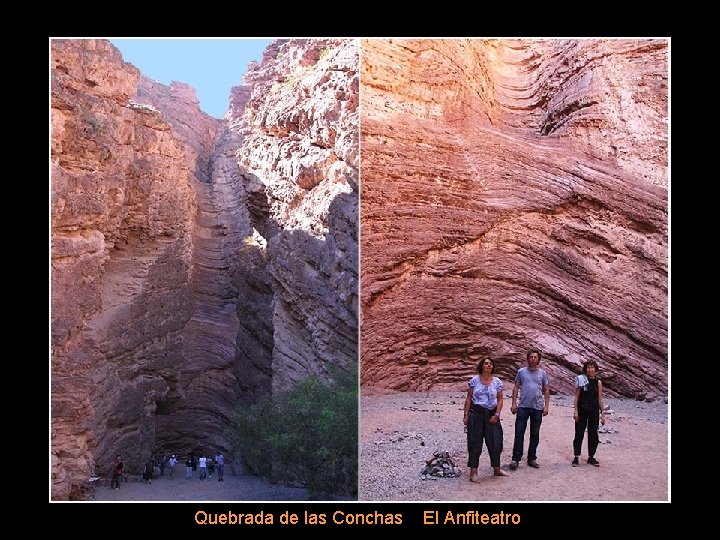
(665, 400)
(649, 399)
(640, 396)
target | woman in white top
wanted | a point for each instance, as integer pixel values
(483, 405)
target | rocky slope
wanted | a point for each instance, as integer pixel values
(173, 293)
(514, 195)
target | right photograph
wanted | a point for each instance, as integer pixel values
(514, 270)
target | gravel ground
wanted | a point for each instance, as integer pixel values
(232, 488)
(400, 431)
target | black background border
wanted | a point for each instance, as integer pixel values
(165, 517)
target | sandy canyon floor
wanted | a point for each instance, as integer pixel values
(232, 488)
(400, 431)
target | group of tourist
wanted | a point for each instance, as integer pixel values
(208, 466)
(484, 405)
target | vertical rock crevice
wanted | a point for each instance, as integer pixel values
(196, 412)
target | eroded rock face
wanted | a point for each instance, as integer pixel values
(195, 415)
(122, 213)
(196, 263)
(514, 195)
(299, 159)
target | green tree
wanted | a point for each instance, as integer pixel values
(308, 434)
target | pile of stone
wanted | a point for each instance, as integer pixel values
(440, 465)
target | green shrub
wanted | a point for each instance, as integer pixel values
(308, 433)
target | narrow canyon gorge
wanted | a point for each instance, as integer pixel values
(514, 194)
(197, 263)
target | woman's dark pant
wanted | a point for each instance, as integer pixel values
(480, 429)
(115, 481)
(591, 420)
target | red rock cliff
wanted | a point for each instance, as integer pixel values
(297, 122)
(514, 195)
(122, 217)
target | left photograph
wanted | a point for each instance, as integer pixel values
(204, 269)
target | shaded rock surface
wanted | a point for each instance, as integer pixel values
(195, 413)
(183, 280)
(514, 195)
(299, 160)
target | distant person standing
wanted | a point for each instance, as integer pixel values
(220, 465)
(163, 461)
(189, 467)
(118, 471)
(202, 465)
(172, 462)
(534, 387)
(589, 411)
(210, 466)
(148, 471)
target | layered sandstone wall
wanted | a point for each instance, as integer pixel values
(514, 195)
(297, 116)
(122, 213)
(195, 415)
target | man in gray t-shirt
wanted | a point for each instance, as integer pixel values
(534, 387)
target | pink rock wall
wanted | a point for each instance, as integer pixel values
(122, 213)
(514, 195)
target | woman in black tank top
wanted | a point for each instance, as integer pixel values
(589, 412)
